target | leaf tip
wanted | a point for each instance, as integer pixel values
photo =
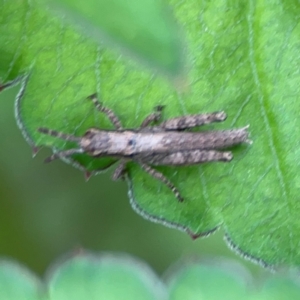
(246, 255)
(195, 236)
(87, 175)
(35, 150)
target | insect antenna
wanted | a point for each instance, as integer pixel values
(63, 136)
(61, 154)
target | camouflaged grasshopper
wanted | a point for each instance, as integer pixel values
(165, 144)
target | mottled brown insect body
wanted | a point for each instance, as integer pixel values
(164, 144)
(129, 142)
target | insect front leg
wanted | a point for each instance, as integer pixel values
(63, 136)
(154, 117)
(190, 121)
(109, 113)
(62, 154)
(158, 175)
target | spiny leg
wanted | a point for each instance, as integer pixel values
(154, 173)
(64, 136)
(154, 117)
(119, 171)
(61, 154)
(60, 135)
(109, 113)
(190, 121)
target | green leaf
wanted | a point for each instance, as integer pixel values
(209, 281)
(245, 61)
(104, 277)
(223, 279)
(279, 288)
(115, 277)
(81, 277)
(139, 28)
(18, 283)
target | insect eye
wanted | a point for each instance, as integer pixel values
(130, 142)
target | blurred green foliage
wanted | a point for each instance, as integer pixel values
(137, 27)
(82, 275)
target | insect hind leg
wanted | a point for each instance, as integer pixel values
(158, 175)
(190, 121)
(109, 113)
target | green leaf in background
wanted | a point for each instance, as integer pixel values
(280, 288)
(212, 280)
(244, 61)
(106, 277)
(145, 29)
(122, 277)
(84, 276)
(17, 283)
(224, 279)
